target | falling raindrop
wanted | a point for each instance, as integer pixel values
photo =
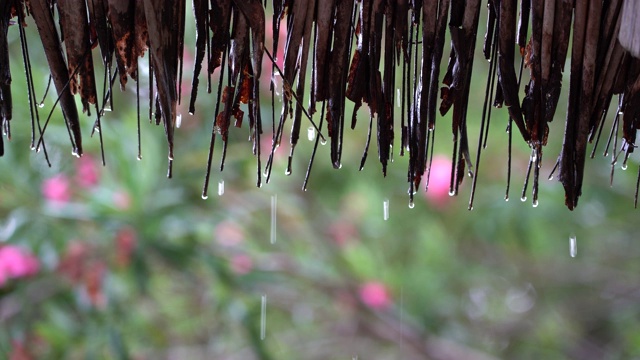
(311, 133)
(263, 317)
(178, 120)
(573, 246)
(274, 204)
(220, 187)
(385, 209)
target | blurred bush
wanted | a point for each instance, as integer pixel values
(119, 262)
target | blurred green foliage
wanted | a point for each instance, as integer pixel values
(138, 266)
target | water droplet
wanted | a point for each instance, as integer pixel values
(411, 204)
(41, 105)
(573, 246)
(452, 192)
(523, 198)
(205, 196)
(535, 203)
(624, 166)
(274, 204)
(506, 198)
(399, 101)
(220, 187)
(263, 317)
(287, 171)
(550, 177)
(178, 120)
(385, 209)
(311, 133)
(96, 129)
(139, 157)
(323, 141)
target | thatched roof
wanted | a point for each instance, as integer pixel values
(339, 50)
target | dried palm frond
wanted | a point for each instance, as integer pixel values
(351, 49)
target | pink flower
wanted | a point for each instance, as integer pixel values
(343, 232)
(83, 265)
(241, 264)
(375, 295)
(19, 351)
(56, 189)
(126, 241)
(87, 172)
(16, 263)
(439, 181)
(228, 233)
(122, 200)
(266, 145)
